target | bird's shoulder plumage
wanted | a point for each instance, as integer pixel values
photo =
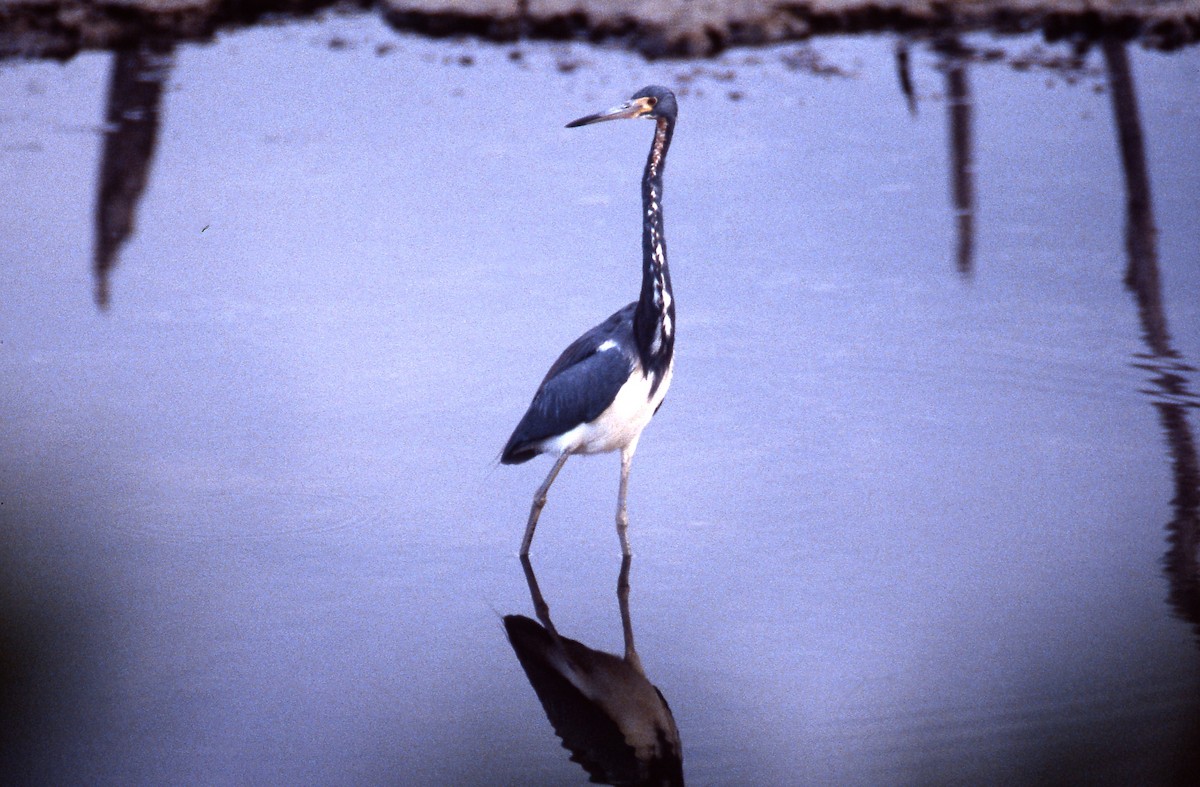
(579, 386)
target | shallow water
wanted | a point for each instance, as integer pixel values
(921, 506)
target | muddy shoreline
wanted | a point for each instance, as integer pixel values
(666, 28)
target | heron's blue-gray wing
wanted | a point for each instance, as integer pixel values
(579, 386)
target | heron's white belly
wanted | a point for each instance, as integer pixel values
(622, 422)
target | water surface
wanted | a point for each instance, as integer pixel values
(921, 506)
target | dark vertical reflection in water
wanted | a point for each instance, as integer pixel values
(130, 132)
(904, 75)
(1170, 393)
(616, 724)
(962, 157)
(954, 59)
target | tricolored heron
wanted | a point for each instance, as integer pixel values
(605, 387)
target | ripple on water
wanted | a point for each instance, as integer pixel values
(1025, 730)
(242, 515)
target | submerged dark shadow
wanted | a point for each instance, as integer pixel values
(131, 122)
(616, 724)
(1168, 390)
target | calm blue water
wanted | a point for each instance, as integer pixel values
(921, 506)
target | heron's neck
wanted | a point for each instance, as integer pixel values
(654, 319)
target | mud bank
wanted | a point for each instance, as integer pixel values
(655, 28)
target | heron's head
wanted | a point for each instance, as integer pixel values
(649, 102)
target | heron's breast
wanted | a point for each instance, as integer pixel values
(623, 420)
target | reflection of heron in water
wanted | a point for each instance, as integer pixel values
(607, 385)
(615, 723)
(1171, 396)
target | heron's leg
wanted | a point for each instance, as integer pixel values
(539, 502)
(622, 513)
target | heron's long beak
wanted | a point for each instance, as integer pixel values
(630, 109)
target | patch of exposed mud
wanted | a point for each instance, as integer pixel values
(667, 28)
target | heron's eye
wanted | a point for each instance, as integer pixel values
(651, 100)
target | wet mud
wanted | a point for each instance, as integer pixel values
(667, 28)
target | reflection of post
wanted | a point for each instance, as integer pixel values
(1140, 234)
(962, 158)
(904, 74)
(615, 723)
(1170, 393)
(130, 131)
(1182, 561)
